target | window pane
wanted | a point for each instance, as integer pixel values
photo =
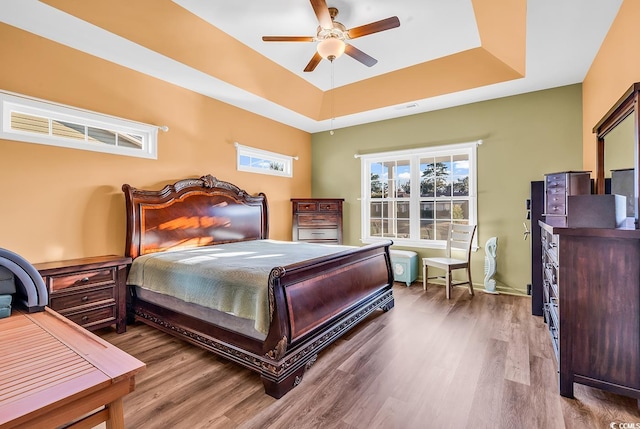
(443, 210)
(427, 230)
(461, 165)
(460, 210)
(443, 165)
(376, 228)
(426, 210)
(403, 210)
(67, 130)
(443, 188)
(442, 230)
(376, 210)
(245, 160)
(403, 179)
(29, 123)
(130, 140)
(376, 171)
(97, 135)
(427, 187)
(404, 229)
(443, 176)
(376, 188)
(259, 162)
(403, 189)
(427, 177)
(276, 166)
(461, 186)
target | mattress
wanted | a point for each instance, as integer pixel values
(230, 278)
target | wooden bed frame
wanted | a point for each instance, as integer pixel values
(311, 303)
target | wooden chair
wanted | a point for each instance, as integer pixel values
(459, 238)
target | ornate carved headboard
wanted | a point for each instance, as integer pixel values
(192, 213)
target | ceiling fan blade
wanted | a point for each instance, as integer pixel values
(374, 27)
(357, 54)
(315, 60)
(322, 13)
(287, 39)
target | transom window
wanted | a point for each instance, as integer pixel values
(412, 196)
(263, 162)
(38, 121)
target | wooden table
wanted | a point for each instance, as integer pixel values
(53, 372)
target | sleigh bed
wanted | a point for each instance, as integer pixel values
(273, 319)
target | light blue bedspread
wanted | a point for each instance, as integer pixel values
(227, 277)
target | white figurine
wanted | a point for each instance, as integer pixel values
(490, 265)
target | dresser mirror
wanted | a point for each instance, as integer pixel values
(617, 152)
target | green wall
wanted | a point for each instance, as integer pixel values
(525, 136)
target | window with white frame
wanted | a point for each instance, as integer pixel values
(37, 121)
(263, 162)
(412, 196)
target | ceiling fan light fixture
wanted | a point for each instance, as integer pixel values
(331, 48)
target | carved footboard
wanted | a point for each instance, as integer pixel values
(313, 303)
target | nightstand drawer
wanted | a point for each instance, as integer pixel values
(329, 207)
(85, 296)
(307, 207)
(318, 234)
(318, 219)
(93, 316)
(80, 279)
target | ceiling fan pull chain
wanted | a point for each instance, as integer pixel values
(331, 132)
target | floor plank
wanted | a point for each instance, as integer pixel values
(480, 361)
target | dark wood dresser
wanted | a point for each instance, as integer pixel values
(89, 291)
(592, 305)
(317, 220)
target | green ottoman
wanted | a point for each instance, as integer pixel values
(405, 266)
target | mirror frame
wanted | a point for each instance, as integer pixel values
(625, 106)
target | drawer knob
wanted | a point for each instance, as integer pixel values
(85, 298)
(85, 318)
(84, 279)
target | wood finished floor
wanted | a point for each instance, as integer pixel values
(470, 362)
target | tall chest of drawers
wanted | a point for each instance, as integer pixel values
(317, 220)
(592, 306)
(558, 187)
(89, 291)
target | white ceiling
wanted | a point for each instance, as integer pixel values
(563, 37)
(428, 29)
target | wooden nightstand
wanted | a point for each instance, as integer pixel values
(89, 291)
(317, 220)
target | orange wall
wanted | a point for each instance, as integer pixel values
(60, 203)
(615, 68)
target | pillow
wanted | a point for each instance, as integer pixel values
(5, 301)
(7, 282)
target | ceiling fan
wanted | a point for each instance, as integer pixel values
(332, 36)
